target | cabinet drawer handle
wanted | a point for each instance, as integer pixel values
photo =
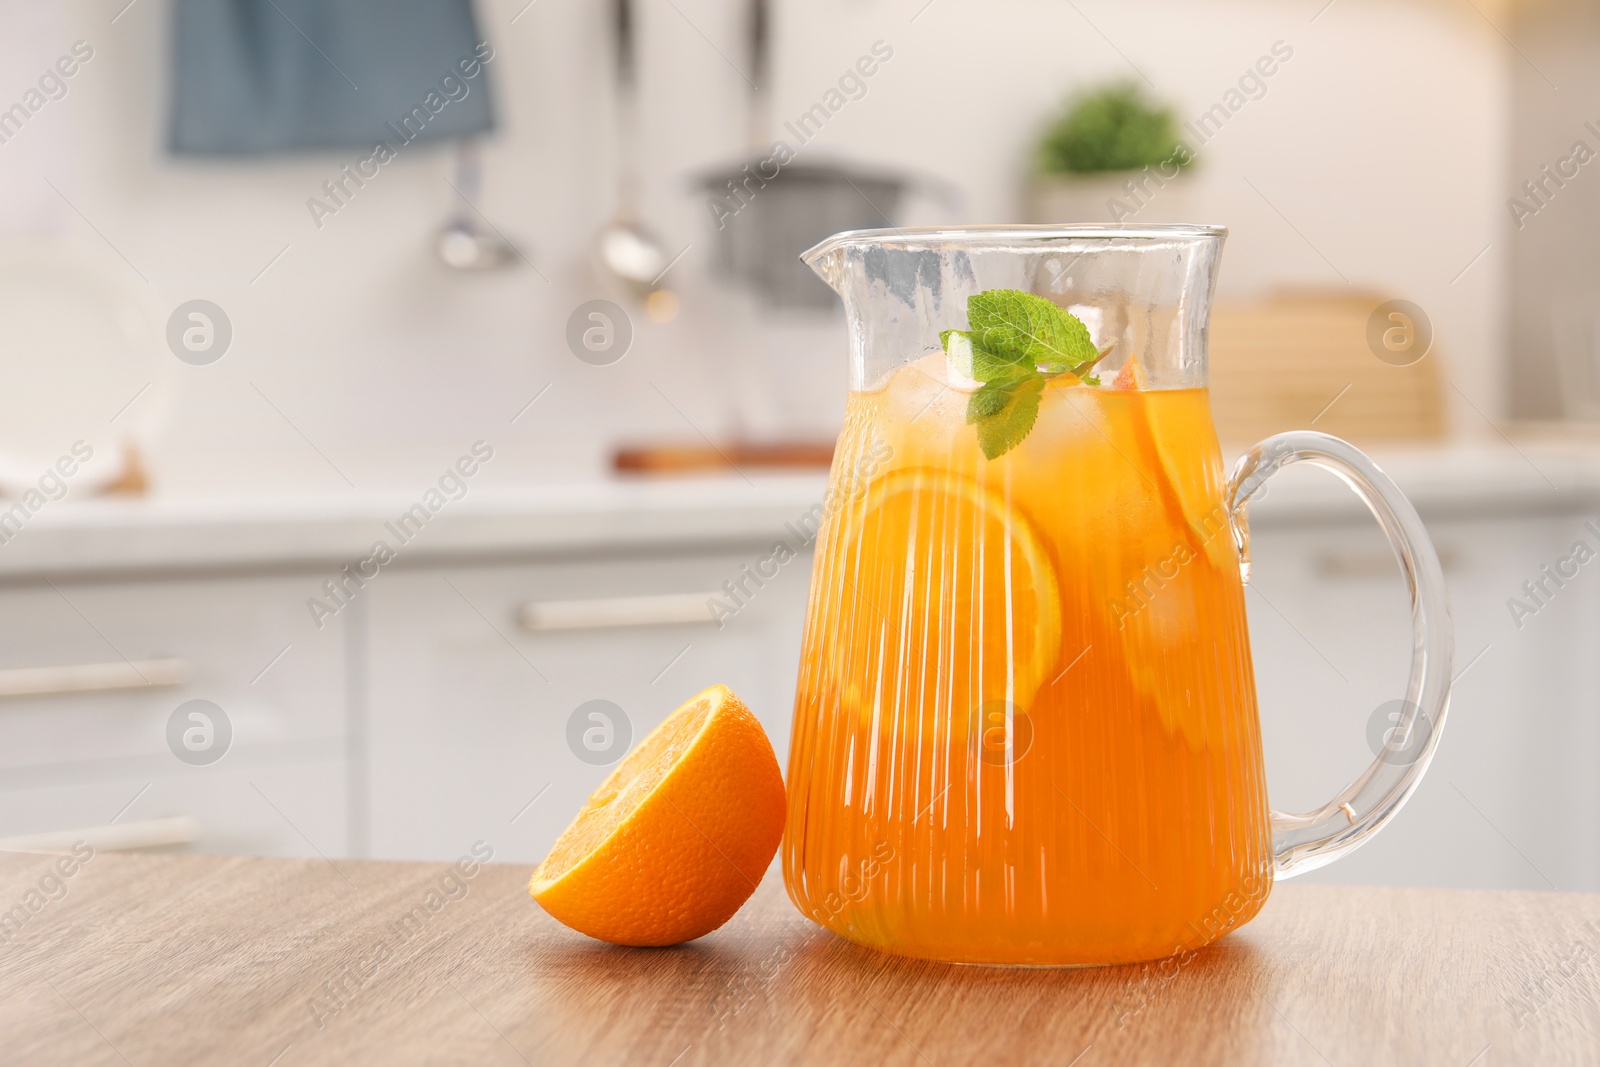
(604, 613)
(113, 837)
(93, 677)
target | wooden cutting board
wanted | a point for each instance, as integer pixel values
(1302, 360)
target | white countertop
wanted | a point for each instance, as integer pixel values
(110, 536)
(547, 519)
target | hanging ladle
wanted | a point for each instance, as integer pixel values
(466, 242)
(625, 249)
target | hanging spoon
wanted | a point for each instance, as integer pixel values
(465, 242)
(625, 249)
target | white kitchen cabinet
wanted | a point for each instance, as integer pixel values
(469, 711)
(1512, 799)
(239, 808)
(427, 716)
(247, 645)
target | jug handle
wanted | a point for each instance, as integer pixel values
(1302, 843)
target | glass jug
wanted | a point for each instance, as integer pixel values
(1025, 730)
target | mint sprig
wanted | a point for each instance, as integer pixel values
(1016, 341)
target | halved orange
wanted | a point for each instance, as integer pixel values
(679, 835)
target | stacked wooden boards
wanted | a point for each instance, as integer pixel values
(1311, 360)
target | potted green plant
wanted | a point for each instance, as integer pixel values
(1112, 156)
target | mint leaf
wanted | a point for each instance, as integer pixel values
(1023, 326)
(1000, 319)
(989, 366)
(972, 360)
(986, 403)
(1017, 340)
(1004, 414)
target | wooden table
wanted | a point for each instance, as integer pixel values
(176, 959)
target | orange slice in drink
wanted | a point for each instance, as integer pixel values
(1167, 617)
(1131, 376)
(1168, 437)
(956, 603)
(1164, 630)
(675, 840)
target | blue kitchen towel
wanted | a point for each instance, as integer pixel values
(254, 76)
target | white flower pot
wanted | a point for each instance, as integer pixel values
(1102, 198)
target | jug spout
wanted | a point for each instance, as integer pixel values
(853, 262)
(827, 259)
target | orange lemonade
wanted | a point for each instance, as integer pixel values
(1026, 726)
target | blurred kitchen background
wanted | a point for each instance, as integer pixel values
(349, 356)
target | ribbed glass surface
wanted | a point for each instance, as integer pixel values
(1026, 725)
